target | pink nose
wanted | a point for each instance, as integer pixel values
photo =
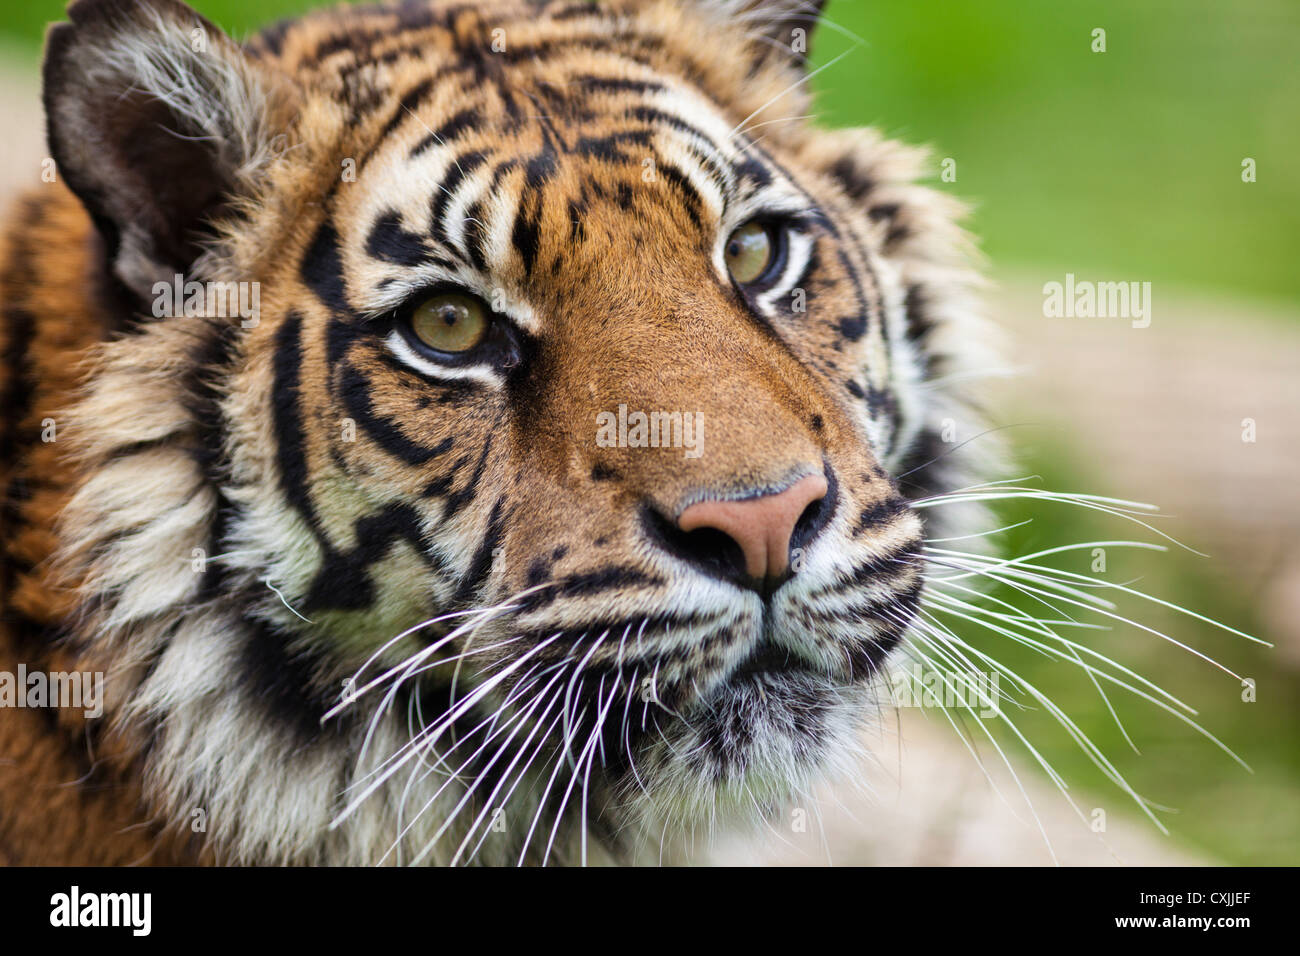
(761, 526)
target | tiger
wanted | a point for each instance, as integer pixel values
(548, 494)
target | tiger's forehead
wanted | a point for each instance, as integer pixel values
(471, 185)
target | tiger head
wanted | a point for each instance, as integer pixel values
(552, 481)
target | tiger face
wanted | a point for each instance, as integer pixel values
(564, 476)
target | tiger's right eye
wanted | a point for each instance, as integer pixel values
(749, 252)
(450, 322)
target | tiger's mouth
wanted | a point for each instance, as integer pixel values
(793, 707)
(756, 740)
(769, 659)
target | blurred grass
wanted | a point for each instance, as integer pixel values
(1125, 165)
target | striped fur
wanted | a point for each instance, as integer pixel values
(235, 523)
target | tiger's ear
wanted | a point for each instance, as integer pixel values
(785, 25)
(156, 120)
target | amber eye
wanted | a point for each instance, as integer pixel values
(749, 252)
(450, 322)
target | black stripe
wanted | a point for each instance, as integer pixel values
(878, 514)
(339, 334)
(864, 315)
(480, 565)
(15, 401)
(211, 360)
(391, 243)
(285, 679)
(920, 325)
(458, 499)
(344, 581)
(587, 583)
(711, 160)
(322, 269)
(679, 180)
(15, 405)
(853, 327)
(476, 235)
(501, 172)
(408, 104)
(920, 469)
(460, 169)
(539, 170)
(354, 388)
(611, 84)
(446, 133)
(566, 637)
(907, 591)
(286, 413)
(852, 179)
(607, 147)
(870, 571)
(576, 11)
(525, 235)
(753, 169)
(657, 117)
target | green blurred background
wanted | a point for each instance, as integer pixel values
(1119, 166)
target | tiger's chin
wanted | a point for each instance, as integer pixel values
(751, 750)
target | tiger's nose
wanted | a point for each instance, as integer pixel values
(762, 527)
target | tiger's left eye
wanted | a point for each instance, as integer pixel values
(450, 322)
(749, 252)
